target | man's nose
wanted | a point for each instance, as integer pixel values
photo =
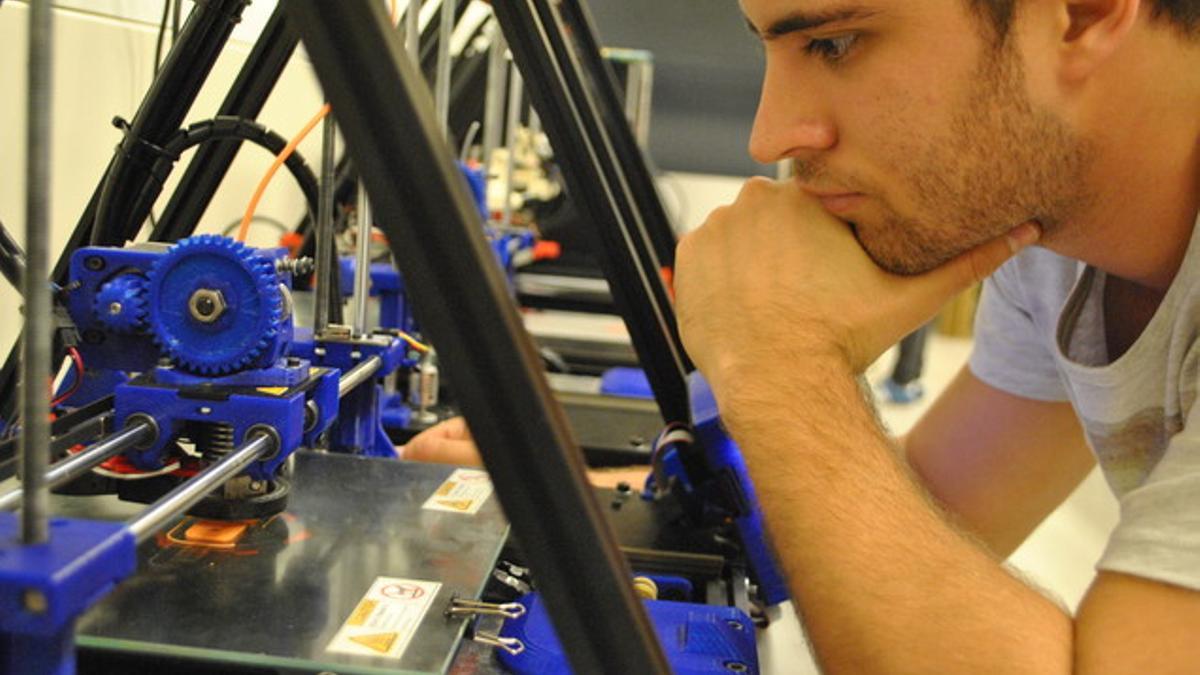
(791, 121)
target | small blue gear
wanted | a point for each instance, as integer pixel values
(120, 304)
(246, 333)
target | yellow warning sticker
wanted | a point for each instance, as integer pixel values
(273, 391)
(364, 609)
(465, 491)
(380, 642)
(387, 617)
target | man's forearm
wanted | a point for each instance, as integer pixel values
(883, 581)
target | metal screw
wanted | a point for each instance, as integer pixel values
(94, 263)
(256, 486)
(311, 415)
(300, 266)
(289, 305)
(114, 308)
(735, 624)
(205, 410)
(206, 305)
(736, 667)
(34, 601)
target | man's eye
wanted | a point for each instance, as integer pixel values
(832, 50)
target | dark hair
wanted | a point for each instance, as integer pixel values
(1183, 14)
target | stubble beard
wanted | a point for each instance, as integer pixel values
(1001, 163)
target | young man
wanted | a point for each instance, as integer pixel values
(932, 141)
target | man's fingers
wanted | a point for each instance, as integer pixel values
(979, 263)
(424, 448)
(453, 429)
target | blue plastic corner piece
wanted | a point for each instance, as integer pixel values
(697, 639)
(477, 183)
(45, 587)
(627, 382)
(724, 457)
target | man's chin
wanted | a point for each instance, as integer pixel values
(906, 263)
(891, 256)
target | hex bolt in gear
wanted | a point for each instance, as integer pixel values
(216, 306)
(206, 305)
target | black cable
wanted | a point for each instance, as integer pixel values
(12, 259)
(225, 129)
(176, 12)
(162, 33)
(234, 224)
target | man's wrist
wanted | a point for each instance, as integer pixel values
(790, 383)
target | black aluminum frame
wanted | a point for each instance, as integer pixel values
(561, 93)
(386, 114)
(628, 154)
(255, 82)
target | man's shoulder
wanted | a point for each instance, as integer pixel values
(1038, 276)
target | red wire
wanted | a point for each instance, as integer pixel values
(77, 360)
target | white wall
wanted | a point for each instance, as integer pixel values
(102, 68)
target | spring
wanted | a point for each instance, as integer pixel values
(211, 439)
(220, 439)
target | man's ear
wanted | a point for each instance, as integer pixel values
(1092, 32)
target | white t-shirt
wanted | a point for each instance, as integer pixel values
(1040, 334)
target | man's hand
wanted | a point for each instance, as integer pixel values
(774, 278)
(447, 442)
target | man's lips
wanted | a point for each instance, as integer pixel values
(837, 202)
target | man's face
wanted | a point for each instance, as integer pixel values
(907, 120)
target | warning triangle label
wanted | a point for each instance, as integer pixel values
(380, 642)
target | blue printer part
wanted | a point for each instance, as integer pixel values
(360, 428)
(670, 587)
(45, 587)
(296, 412)
(697, 639)
(725, 461)
(388, 286)
(626, 382)
(132, 306)
(207, 321)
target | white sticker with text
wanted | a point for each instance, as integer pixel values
(463, 492)
(386, 619)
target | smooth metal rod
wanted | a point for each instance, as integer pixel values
(357, 375)
(35, 364)
(80, 463)
(493, 103)
(515, 88)
(188, 494)
(412, 31)
(325, 293)
(441, 95)
(641, 126)
(633, 89)
(362, 262)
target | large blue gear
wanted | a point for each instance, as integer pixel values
(248, 334)
(121, 304)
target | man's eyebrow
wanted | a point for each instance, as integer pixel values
(801, 21)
